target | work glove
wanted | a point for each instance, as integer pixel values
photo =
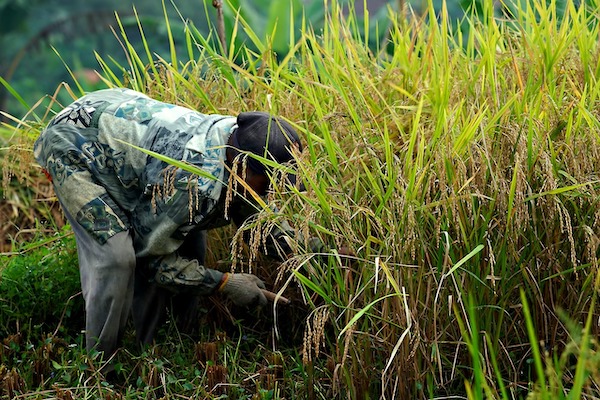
(243, 289)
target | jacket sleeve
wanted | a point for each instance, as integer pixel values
(281, 240)
(181, 274)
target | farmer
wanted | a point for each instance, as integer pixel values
(139, 223)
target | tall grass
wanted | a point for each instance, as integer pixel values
(463, 173)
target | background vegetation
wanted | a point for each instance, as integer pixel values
(460, 165)
(33, 31)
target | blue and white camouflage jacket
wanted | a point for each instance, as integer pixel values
(107, 186)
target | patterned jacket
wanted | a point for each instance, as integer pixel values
(108, 186)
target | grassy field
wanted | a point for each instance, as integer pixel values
(463, 171)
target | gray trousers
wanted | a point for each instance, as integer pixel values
(114, 284)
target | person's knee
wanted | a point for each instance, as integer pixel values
(120, 263)
(119, 254)
(107, 273)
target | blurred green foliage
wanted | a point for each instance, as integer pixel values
(30, 29)
(78, 30)
(40, 288)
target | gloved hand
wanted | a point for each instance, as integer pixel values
(243, 289)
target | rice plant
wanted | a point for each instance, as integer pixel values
(463, 173)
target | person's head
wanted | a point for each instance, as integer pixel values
(266, 136)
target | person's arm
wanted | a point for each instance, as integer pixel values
(180, 274)
(282, 240)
